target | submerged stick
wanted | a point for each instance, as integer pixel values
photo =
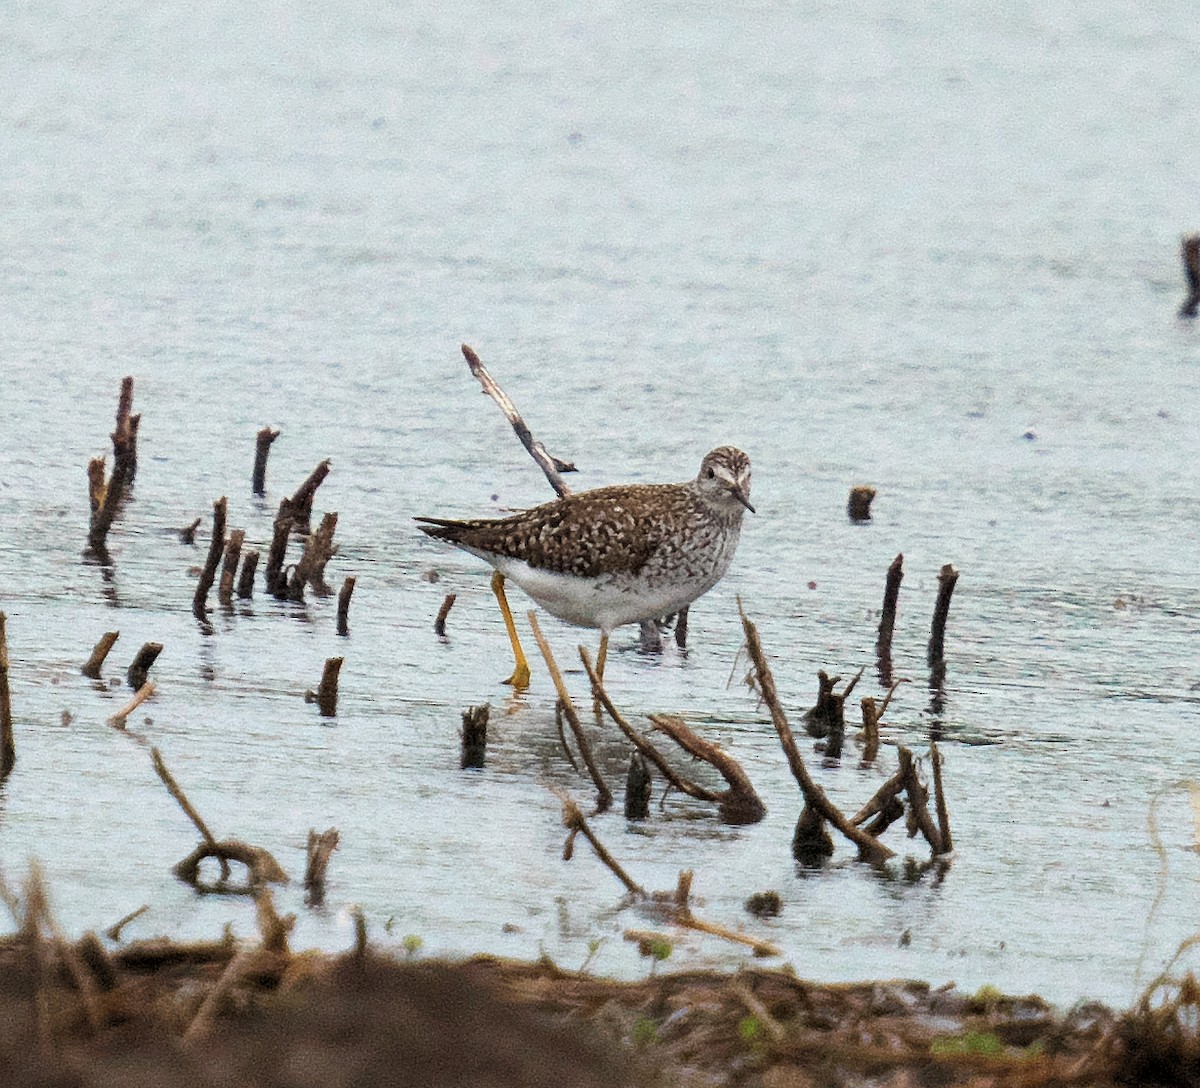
(139, 667)
(326, 695)
(113, 933)
(887, 620)
(638, 786)
(276, 578)
(216, 549)
(8, 748)
(105, 499)
(92, 666)
(176, 791)
(245, 583)
(549, 464)
(233, 554)
(119, 719)
(301, 502)
(343, 605)
(320, 850)
(939, 800)
(319, 548)
(187, 535)
(858, 505)
(604, 794)
(474, 736)
(947, 579)
(869, 848)
(439, 624)
(918, 803)
(573, 820)
(262, 447)
(1190, 252)
(681, 628)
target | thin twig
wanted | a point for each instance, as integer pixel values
(176, 791)
(574, 822)
(119, 719)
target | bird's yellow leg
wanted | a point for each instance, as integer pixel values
(602, 656)
(520, 675)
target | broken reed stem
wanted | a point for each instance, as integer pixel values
(139, 667)
(319, 548)
(320, 850)
(604, 794)
(113, 933)
(8, 748)
(119, 719)
(262, 447)
(245, 582)
(206, 1014)
(343, 605)
(474, 736)
(575, 823)
(301, 502)
(918, 802)
(858, 505)
(869, 848)
(92, 666)
(187, 535)
(638, 787)
(327, 693)
(216, 549)
(887, 619)
(439, 624)
(947, 579)
(176, 791)
(1189, 250)
(939, 799)
(276, 578)
(688, 920)
(549, 464)
(639, 742)
(106, 498)
(233, 554)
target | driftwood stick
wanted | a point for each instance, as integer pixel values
(301, 502)
(187, 535)
(604, 794)
(947, 579)
(1190, 252)
(139, 667)
(237, 967)
(326, 695)
(262, 447)
(869, 848)
(474, 736)
(245, 582)
(858, 505)
(343, 605)
(644, 747)
(113, 933)
(439, 624)
(276, 578)
(688, 920)
(261, 867)
(739, 804)
(575, 823)
(320, 850)
(887, 619)
(216, 549)
(638, 786)
(879, 799)
(939, 800)
(119, 719)
(8, 749)
(918, 803)
(176, 791)
(319, 548)
(549, 464)
(233, 555)
(91, 668)
(105, 499)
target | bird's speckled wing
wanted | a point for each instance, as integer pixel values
(602, 531)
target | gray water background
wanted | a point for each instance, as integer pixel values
(865, 242)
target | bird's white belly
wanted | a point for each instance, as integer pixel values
(603, 601)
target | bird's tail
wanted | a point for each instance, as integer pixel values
(443, 529)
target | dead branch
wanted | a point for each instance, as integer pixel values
(216, 549)
(549, 464)
(113, 933)
(574, 822)
(137, 673)
(187, 535)
(91, 668)
(8, 748)
(206, 1014)
(245, 583)
(262, 447)
(119, 719)
(439, 624)
(858, 506)
(319, 548)
(918, 803)
(1190, 251)
(261, 867)
(320, 850)
(106, 499)
(947, 579)
(871, 715)
(869, 848)
(474, 735)
(887, 620)
(604, 794)
(326, 695)
(276, 578)
(681, 628)
(638, 786)
(301, 502)
(739, 804)
(233, 554)
(343, 605)
(939, 800)
(181, 799)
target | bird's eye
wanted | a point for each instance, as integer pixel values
(711, 474)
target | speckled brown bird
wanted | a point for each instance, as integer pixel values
(615, 555)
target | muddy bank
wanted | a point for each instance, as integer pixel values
(218, 1013)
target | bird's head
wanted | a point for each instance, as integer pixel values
(724, 478)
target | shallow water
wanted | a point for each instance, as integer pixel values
(927, 247)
